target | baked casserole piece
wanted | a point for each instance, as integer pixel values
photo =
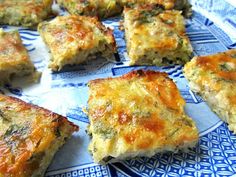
(74, 39)
(14, 59)
(138, 114)
(29, 137)
(100, 8)
(26, 13)
(156, 37)
(214, 78)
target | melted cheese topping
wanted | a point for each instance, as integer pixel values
(155, 36)
(223, 64)
(139, 113)
(100, 8)
(72, 39)
(14, 58)
(27, 134)
(214, 77)
(24, 12)
(214, 71)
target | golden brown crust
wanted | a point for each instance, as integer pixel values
(156, 37)
(216, 62)
(25, 12)
(214, 78)
(137, 114)
(27, 135)
(14, 59)
(73, 39)
(100, 8)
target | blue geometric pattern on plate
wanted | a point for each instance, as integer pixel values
(88, 170)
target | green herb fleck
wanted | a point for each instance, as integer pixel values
(57, 129)
(14, 135)
(173, 133)
(224, 67)
(145, 16)
(16, 130)
(86, 3)
(104, 131)
(180, 42)
(130, 4)
(1, 114)
(233, 55)
(187, 122)
(57, 132)
(142, 114)
(170, 33)
(169, 22)
(4, 116)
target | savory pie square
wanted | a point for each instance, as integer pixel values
(214, 78)
(156, 37)
(74, 39)
(29, 137)
(14, 59)
(27, 13)
(138, 114)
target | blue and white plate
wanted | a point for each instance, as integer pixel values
(211, 29)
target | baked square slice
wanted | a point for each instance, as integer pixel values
(182, 5)
(74, 39)
(214, 78)
(26, 13)
(99, 8)
(29, 137)
(138, 114)
(156, 37)
(14, 59)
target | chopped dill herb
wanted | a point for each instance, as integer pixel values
(224, 67)
(105, 132)
(145, 16)
(16, 130)
(14, 135)
(233, 55)
(4, 117)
